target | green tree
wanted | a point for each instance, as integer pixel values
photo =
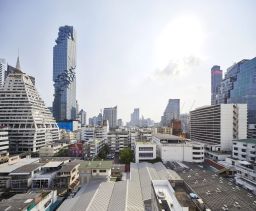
(126, 156)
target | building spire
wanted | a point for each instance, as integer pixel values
(18, 61)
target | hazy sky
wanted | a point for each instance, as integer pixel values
(133, 53)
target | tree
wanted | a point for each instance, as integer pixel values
(126, 156)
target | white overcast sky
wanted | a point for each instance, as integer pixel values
(133, 53)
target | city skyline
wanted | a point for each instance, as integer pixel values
(115, 59)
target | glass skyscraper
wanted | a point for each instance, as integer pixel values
(64, 76)
(171, 112)
(239, 86)
(216, 78)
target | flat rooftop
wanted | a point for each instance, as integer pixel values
(96, 164)
(216, 191)
(246, 141)
(167, 136)
(7, 168)
(26, 168)
(52, 164)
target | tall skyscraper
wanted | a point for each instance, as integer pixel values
(239, 86)
(110, 114)
(172, 111)
(82, 117)
(30, 123)
(64, 77)
(135, 117)
(216, 78)
(3, 68)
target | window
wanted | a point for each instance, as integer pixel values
(94, 171)
(103, 171)
(145, 148)
(235, 148)
(243, 150)
(145, 154)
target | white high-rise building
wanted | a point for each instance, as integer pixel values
(3, 68)
(110, 114)
(30, 123)
(219, 125)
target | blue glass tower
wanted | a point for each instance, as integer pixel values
(64, 77)
(239, 86)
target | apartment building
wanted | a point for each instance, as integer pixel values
(219, 124)
(119, 140)
(68, 176)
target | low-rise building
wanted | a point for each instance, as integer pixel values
(243, 159)
(174, 148)
(35, 201)
(21, 178)
(13, 163)
(88, 169)
(244, 149)
(68, 176)
(45, 178)
(145, 151)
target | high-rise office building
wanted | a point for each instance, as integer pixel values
(3, 68)
(30, 123)
(82, 117)
(135, 117)
(172, 111)
(219, 124)
(239, 86)
(216, 78)
(110, 114)
(64, 77)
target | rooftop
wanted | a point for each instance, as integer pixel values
(99, 164)
(216, 191)
(7, 168)
(247, 141)
(167, 136)
(20, 201)
(52, 164)
(67, 167)
(26, 168)
(166, 195)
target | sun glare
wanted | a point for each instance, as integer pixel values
(181, 38)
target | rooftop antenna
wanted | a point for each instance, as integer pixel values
(18, 60)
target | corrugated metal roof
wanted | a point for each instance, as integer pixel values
(102, 197)
(134, 198)
(118, 197)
